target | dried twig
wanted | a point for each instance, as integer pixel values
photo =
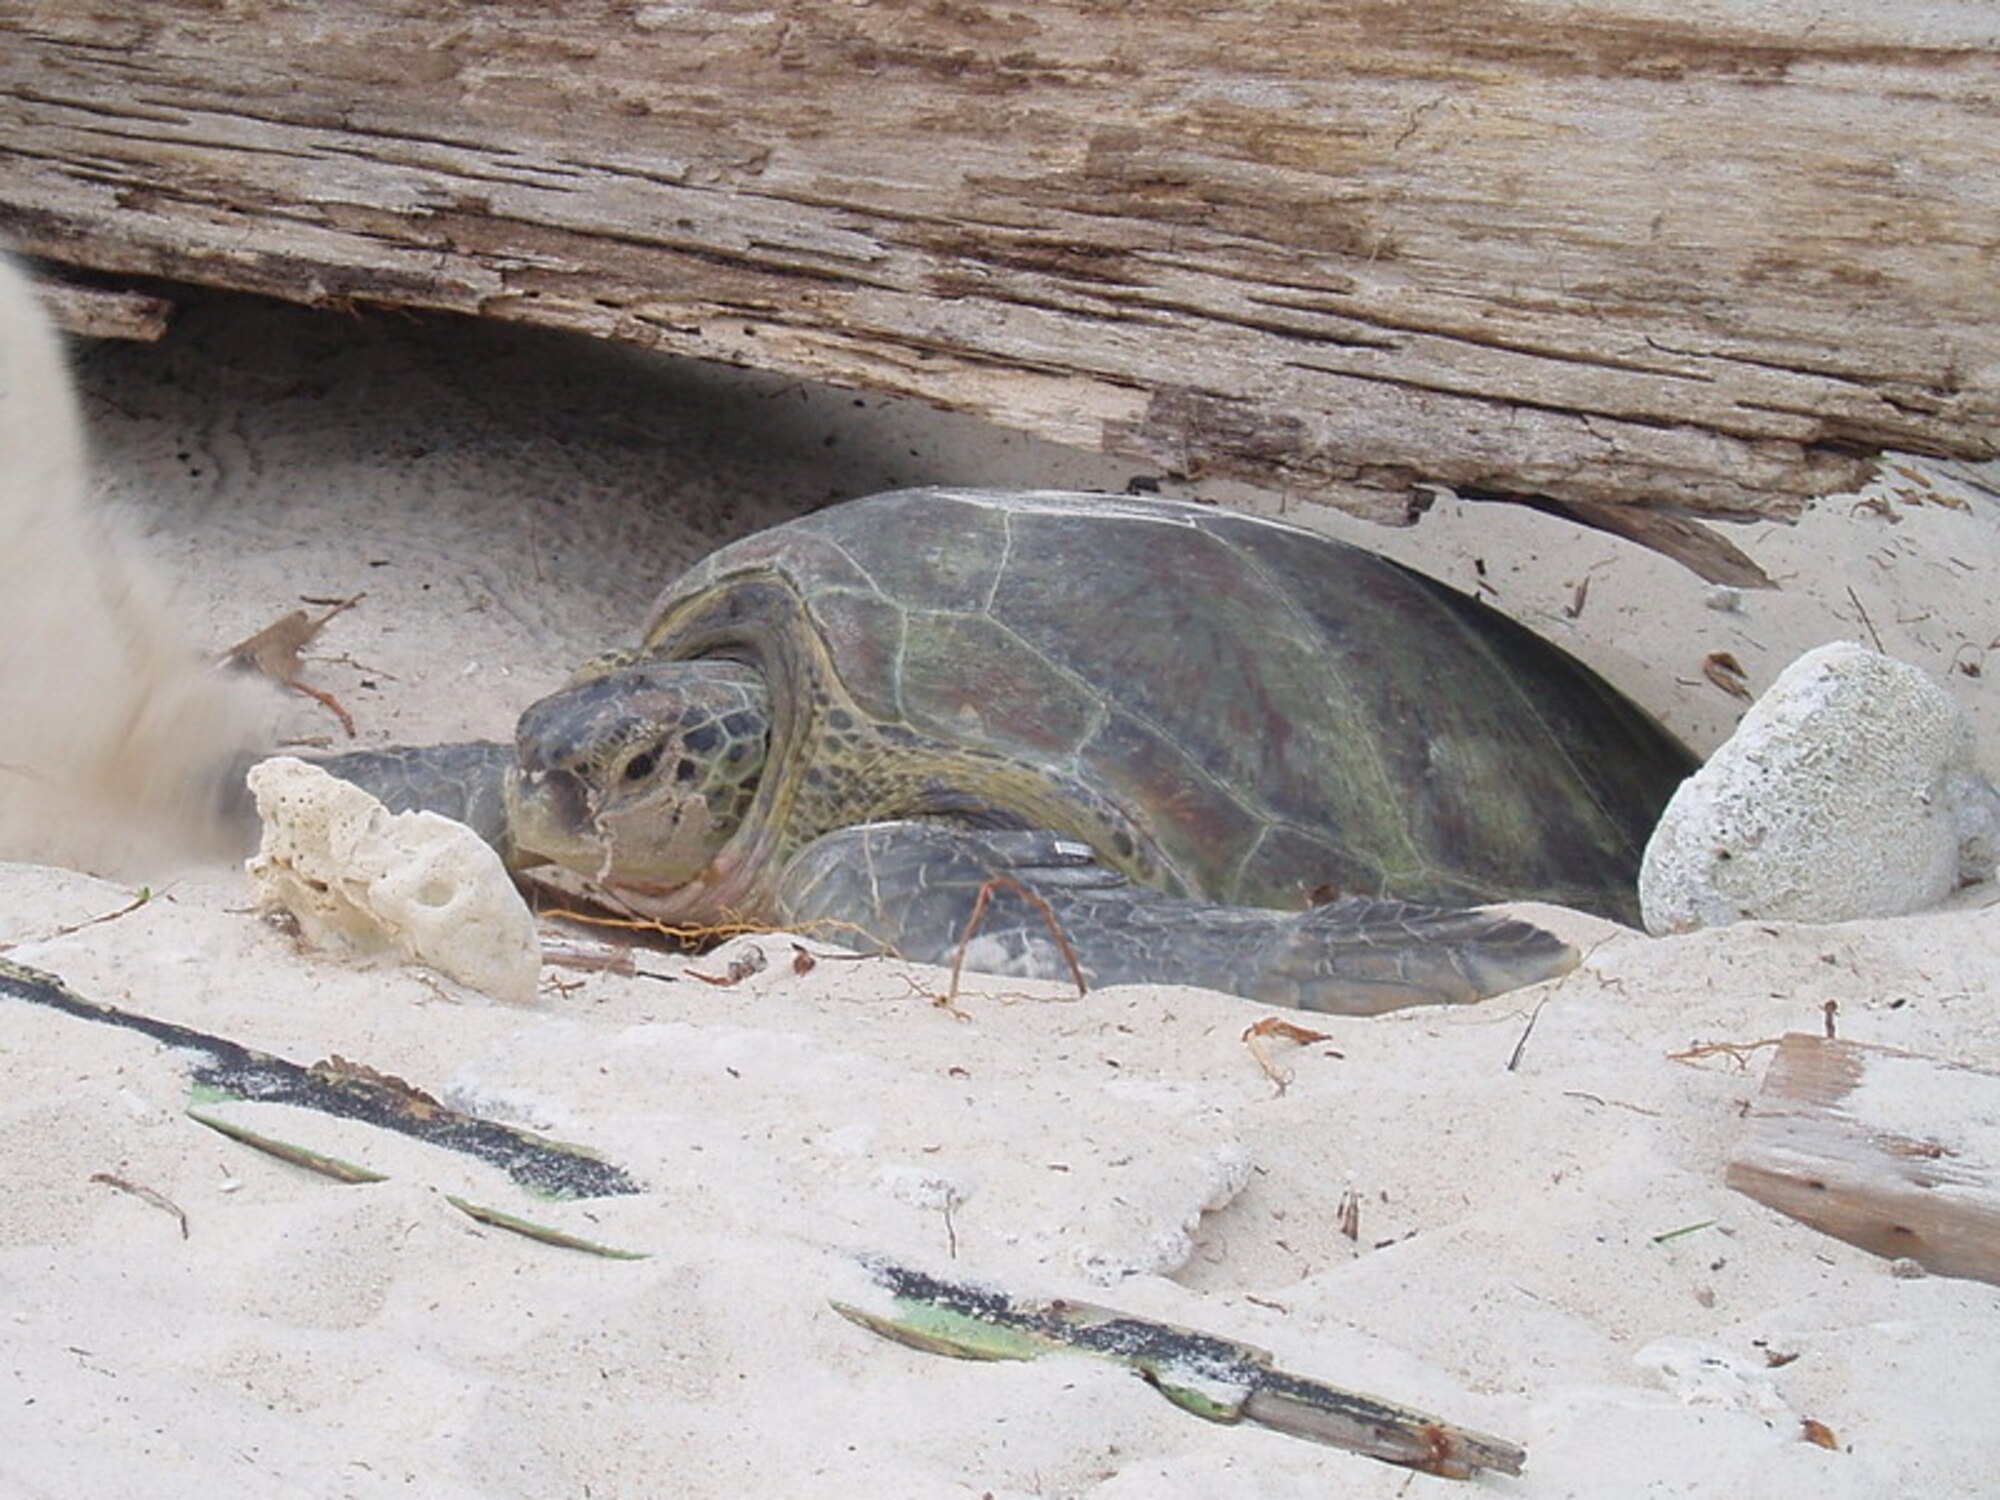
(1738, 1051)
(146, 894)
(1514, 1060)
(689, 935)
(588, 954)
(1637, 1109)
(1862, 610)
(986, 893)
(145, 1194)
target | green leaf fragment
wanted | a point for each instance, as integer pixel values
(944, 1330)
(1673, 1234)
(287, 1151)
(561, 1239)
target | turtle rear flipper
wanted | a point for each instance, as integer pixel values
(913, 888)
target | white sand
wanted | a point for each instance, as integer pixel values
(508, 503)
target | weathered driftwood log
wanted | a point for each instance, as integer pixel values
(1590, 250)
(1896, 1153)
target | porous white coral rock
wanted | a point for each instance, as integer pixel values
(365, 882)
(1849, 790)
(1154, 1232)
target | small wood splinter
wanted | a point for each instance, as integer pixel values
(145, 1195)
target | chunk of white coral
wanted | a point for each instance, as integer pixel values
(1154, 1229)
(364, 882)
(1850, 790)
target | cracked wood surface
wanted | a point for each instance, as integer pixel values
(1596, 251)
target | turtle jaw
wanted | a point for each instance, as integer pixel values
(655, 842)
(549, 813)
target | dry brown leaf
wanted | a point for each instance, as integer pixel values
(1290, 1031)
(749, 961)
(274, 652)
(337, 1069)
(275, 649)
(1727, 673)
(1975, 664)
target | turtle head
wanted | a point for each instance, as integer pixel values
(640, 774)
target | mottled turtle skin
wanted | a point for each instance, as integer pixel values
(1178, 726)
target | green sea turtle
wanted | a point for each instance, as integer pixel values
(1216, 749)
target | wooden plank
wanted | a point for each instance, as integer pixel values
(1895, 1153)
(1596, 250)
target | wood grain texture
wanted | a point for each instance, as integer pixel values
(1607, 251)
(1883, 1149)
(101, 313)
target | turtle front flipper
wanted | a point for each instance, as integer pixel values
(466, 781)
(911, 888)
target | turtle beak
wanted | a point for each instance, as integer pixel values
(552, 818)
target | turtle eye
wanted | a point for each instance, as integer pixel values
(642, 765)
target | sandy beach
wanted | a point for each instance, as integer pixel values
(1543, 1246)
